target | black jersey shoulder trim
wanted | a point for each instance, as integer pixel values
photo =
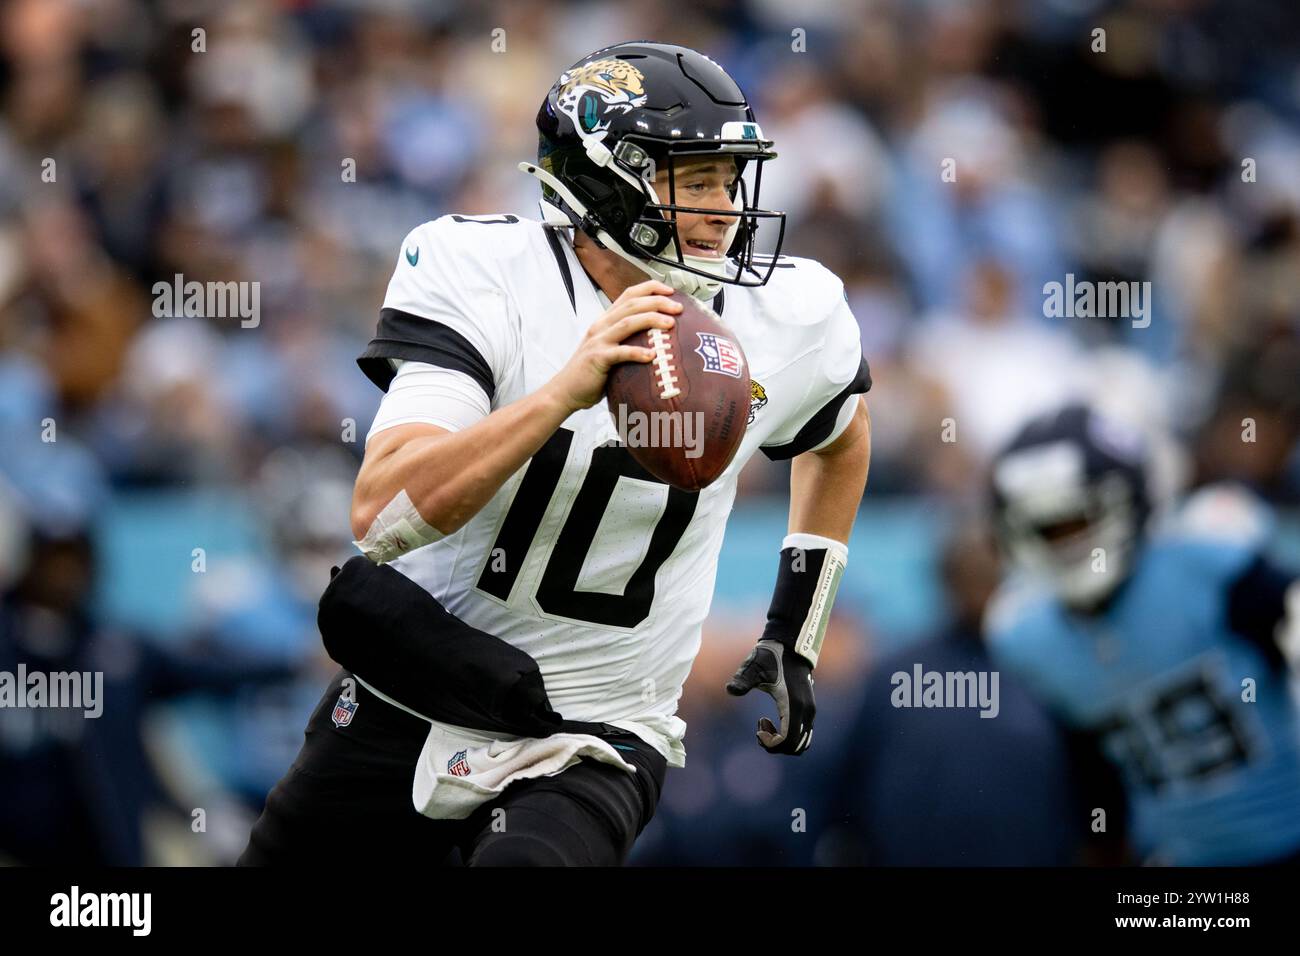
(818, 428)
(402, 335)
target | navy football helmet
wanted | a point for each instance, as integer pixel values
(1071, 502)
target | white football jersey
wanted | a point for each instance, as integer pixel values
(602, 573)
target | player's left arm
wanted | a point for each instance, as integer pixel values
(826, 485)
(828, 475)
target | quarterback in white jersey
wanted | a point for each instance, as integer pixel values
(494, 477)
(600, 572)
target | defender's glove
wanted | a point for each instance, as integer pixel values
(782, 663)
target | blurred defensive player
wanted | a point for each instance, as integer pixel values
(493, 478)
(1168, 647)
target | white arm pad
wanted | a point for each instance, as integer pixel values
(426, 393)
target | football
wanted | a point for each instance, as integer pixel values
(682, 416)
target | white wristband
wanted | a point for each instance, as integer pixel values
(814, 542)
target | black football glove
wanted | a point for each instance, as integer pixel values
(776, 670)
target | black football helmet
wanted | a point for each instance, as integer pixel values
(622, 113)
(1071, 500)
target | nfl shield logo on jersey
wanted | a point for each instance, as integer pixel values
(458, 766)
(720, 355)
(343, 711)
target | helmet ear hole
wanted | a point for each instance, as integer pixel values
(595, 190)
(652, 238)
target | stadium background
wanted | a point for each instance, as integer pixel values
(174, 434)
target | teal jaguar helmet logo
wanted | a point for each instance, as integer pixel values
(589, 92)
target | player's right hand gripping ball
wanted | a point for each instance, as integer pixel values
(700, 377)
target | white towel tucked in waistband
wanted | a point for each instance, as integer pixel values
(459, 769)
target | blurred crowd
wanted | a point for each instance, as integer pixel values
(179, 486)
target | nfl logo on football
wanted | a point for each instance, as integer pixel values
(720, 355)
(343, 711)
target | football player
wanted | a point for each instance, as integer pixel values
(494, 480)
(1169, 647)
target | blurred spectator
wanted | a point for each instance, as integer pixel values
(947, 786)
(80, 784)
(787, 803)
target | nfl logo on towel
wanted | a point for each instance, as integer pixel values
(458, 766)
(343, 711)
(720, 355)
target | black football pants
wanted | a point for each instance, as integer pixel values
(347, 797)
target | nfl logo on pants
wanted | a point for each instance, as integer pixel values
(343, 711)
(458, 766)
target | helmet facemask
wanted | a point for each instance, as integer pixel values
(1084, 555)
(1079, 536)
(624, 212)
(656, 236)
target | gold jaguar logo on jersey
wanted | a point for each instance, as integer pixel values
(589, 93)
(757, 399)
